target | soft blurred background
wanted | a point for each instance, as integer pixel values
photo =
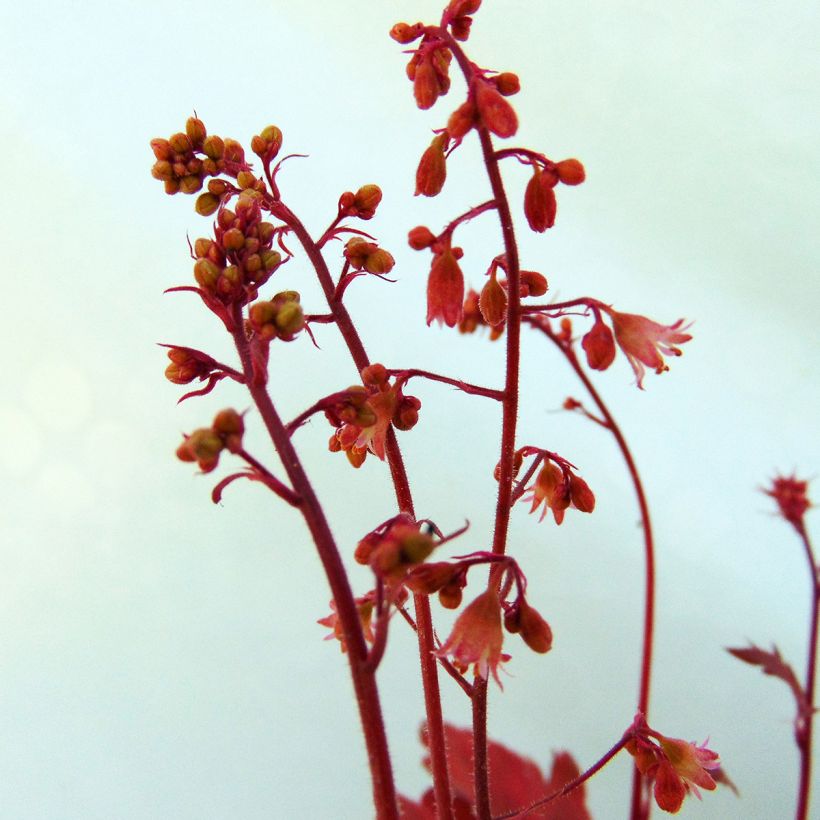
(160, 656)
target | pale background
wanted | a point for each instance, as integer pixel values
(160, 657)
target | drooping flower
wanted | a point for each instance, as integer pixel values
(477, 636)
(599, 346)
(557, 490)
(644, 341)
(677, 767)
(445, 289)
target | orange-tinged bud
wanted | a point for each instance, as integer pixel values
(234, 152)
(406, 415)
(540, 205)
(217, 187)
(404, 33)
(534, 629)
(213, 147)
(450, 595)
(374, 375)
(425, 84)
(507, 83)
(190, 184)
(180, 143)
(599, 345)
(462, 120)
(570, 172)
(429, 578)
(162, 170)
(206, 274)
(230, 427)
(171, 186)
(493, 302)
(460, 8)
(195, 131)
(271, 260)
(535, 283)
(495, 112)
(233, 240)
(206, 204)
(356, 457)
(162, 149)
(420, 238)
(518, 460)
(205, 446)
(582, 497)
(366, 200)
(380, 262)
(432, 170)
(460, 28)
(290, 320)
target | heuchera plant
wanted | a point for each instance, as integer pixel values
(255, 234)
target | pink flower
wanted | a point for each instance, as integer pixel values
(643, 341)
(477, 636)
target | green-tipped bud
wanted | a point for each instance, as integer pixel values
(206, 274)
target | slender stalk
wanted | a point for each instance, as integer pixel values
(639, 805)
(509, 414)
(404, 498)
(364, 679)
(804, 737)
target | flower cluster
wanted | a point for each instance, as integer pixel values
(394, 548)
(477, 636)
(205, 445)
(675, 766)
(363, 415)
(557, 487)
(643, 342)
(791, 495)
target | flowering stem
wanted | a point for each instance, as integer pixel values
(465, 387)
(429, 672)
(271, 481)
(509, 416)
(364, 679)
(804, 737)
(573, 784)
(639, 809)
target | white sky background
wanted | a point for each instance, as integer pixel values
(159, 654)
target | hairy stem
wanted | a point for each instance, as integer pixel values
(404, 498)
(807, 720)
(364, 678)
(639, 805)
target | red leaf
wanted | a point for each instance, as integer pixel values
(771, 663)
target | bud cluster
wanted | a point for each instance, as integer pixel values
(557, 487)
(362, 204)
(240, 259)
(367, 256)
(185, 160)
(540, 205)
(394, 548)
(364, 415)
(281, 317)
(205, 445)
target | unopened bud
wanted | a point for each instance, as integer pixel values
(493, 302)
(420, 238)
(507, 83)
(206, 204)
(582, 497)
(495, 112)
(570, 172)
(195, 131)
(432, 170)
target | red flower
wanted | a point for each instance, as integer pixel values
(477, 636)
(445, 290)
(676, 766)
(790, 494)
(599, 346)
(643, 341)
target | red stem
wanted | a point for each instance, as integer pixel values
(364, 680)
(804, 737)
(639, 806)
(509, 417)
(465, 387)
(404, 498)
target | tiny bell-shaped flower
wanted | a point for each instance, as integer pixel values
(477, 636)
(493, 302)
(432, 169)
(493, 110)
(643, 341)
(540, 205)
(445, 290)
